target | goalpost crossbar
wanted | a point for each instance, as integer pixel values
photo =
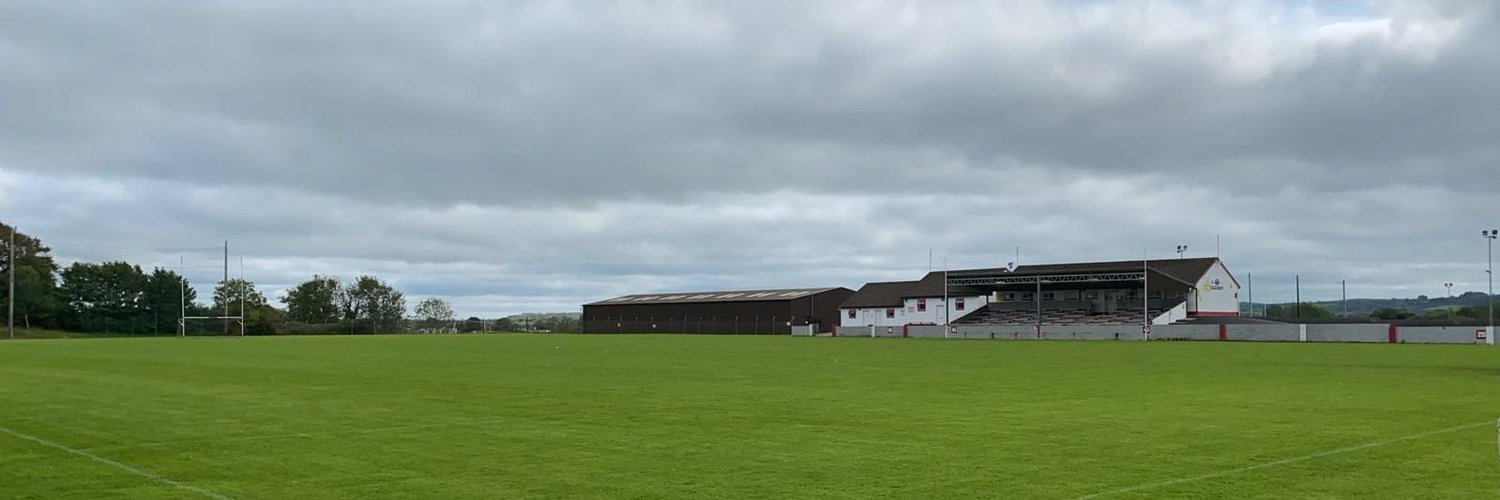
(182, 323)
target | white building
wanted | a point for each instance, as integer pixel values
(901, 303)
(1118, 292)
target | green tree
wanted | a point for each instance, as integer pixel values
(104, 297)
(1290, 311)
(433, 314)
(36, 279)
(260, 318)
(1475, 314)
(372, 304)
(263, 320)
(1391, 313)
(1442, 313)
(314, 301)
(230, 295)
(163, 297)
(504, 325)
(434, 309)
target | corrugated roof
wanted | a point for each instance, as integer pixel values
(887, 294)
(700, 297)
(1186, 271)
(931, 285)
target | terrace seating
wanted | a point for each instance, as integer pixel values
(995, 316)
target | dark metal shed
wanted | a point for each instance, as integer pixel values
(744, 311)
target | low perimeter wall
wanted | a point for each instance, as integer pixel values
(1368, 333)
(1440, 334)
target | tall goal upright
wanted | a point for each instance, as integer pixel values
(230, 321)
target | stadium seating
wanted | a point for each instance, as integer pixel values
(992, 315)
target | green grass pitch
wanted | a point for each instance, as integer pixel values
(506, 416)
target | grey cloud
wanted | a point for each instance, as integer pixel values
(572, 103)
(524, 155)
(1386, 240)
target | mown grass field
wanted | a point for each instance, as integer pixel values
(505, 416)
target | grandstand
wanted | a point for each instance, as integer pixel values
(1090, 293)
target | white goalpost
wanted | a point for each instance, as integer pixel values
(230, 321)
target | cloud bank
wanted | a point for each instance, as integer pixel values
(534, 156)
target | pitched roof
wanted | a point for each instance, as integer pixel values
(700, 297)
(931, 285)
(886, 294)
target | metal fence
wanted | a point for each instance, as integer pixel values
(1268, 332)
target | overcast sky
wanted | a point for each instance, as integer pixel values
(516, 156)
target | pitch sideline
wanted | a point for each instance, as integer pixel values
(1285, 461)
(119, 465)
(341, 432)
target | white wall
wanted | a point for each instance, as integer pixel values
(908, 313)
(934, 313)
(1172, 315)
(1217, 293)
(872, 316)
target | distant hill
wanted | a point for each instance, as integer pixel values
(1360, 307)
(535, 317)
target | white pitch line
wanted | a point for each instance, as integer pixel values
(340, 432)
(1283, 461)
(120, 465)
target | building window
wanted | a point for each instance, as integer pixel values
(958, 303)
(851, 314)
(921, 305)
(1049, 296)
(1010, 297)
(1026, 296)
(890, 313)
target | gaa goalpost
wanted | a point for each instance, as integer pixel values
(182, 323)
(183, 320)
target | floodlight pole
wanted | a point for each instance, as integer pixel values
(10, 297)
(1250, 277)
(945, 297)
(226, 285)
(1038, 301)
(1449, 286)
(243, 295)
(182, 288)
(1145, 294)
(1490, 298)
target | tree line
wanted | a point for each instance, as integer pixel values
(1475, 314)
(120, 297)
